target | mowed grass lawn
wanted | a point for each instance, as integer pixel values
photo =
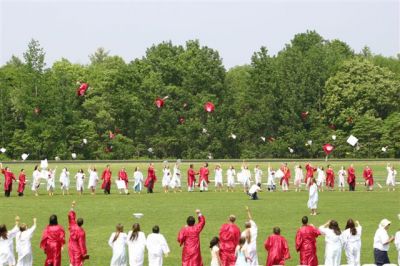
(169, 211)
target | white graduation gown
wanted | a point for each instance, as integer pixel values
(6, 248)
(258, 175)
(352, 246)
(333, 246)
(313, 197)
(166, 177)
(79, 181)
(252, 246)
(119, 257)
(51, 184)
(138, 177)
(218, 176)
(136, 249)
(24, 247)
(36, 180)
(320, 177)
(176, 178)
(157, 246)
(64, 180)
(230, 174)
(93, 178)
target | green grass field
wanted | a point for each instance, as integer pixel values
(169, 211)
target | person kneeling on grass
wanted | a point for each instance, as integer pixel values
(253, 191)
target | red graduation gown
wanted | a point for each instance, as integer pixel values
(77, 241)
(122, 175)
(53, 238)
(151, 178)
(368, 176)
(309, 172)
(203, 175)
(8, 179)
(278, 250)
(351, 176)
(106, 176)
(229, 236)
(191, 177)
(286, 175)
(22, 182)
(306, 245)
(189, 237)
(330, 178)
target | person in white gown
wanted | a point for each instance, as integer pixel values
(36, 180)
(93, 179)
(214, 248)
(157, 247)
(320, 178)
(80, 176)
(138, 180)
(313, 197)
(342, 176)
(250, 233)
(258, 175)
(51, 184)
(298, 177)
(391, 177)
(7, 257)
(166, 178)
(136, 245)
(64, 181)
(218, 178)
(23, 244)
(271, 179)
(117, 242)
(176, 178)
(397, 245)
(333, 242)
(230, 175)
(351, 239)
(246, 178)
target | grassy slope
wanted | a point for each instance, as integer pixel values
(101, 212)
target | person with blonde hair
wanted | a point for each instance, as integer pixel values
(23, 244)
(218, 178)
(250, 233)
(382, 242)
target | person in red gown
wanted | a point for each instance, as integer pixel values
(306, 243)
(203, 179)
(277, 248)
(309, 173)
(284, 182)
(351, 178)
(369, 178)
(21, 183)
(77, 239)
(229, 236)
(189, 237)
(53, 238)
(9, 177)
(106, 177)
(123, 175)
(151, 178)
(191, 178)
(330, 178)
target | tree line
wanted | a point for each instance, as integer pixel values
(314, 91)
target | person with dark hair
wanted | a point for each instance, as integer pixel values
(214, 246)
(64, 181)
(189, 238)
(136, 245)
(9, 177)
(277, 248)
(229, 236)
(6, 243)
(203, 179)
(351, 240)
(117, 242)
(250, 233)
(21, 183)
(333, 243)
(106, 177)
(312, 203)
(382, 242)
(369, 178)
(151, 178)
(77, 239)
(241, 253)
(23, 244)
(306, 243)
(351, 178)
(36, 176)
(191, 176)
(123, 175)
(53, 239)
(157, 247)
(138, 183)
(330, 178)
(93, 178)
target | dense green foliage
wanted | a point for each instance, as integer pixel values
(342, 92)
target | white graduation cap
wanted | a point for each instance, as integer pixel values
(57, 158)
(84, 141)
(44, 164)
(290, 150)
(233, 136)
(263, 138)
(358, 147)
(309, 142)
(204, 130)
(334, 137)
(179, 160)
(165, 162)
(138, 215)
(3, 150)
(210, 156)
(24, 156)
(352, 140)
(150, 150)
(73, 155)
(384, 149)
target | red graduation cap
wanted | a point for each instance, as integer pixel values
(37, 110)
(271, 139)
(328, 148)
(111, 135)
(209, 107)
(304, 115)
(82, 89)
(160, 102)
(332, 126)
(181, 120)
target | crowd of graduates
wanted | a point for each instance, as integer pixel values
(232, 247)
(172, 180)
